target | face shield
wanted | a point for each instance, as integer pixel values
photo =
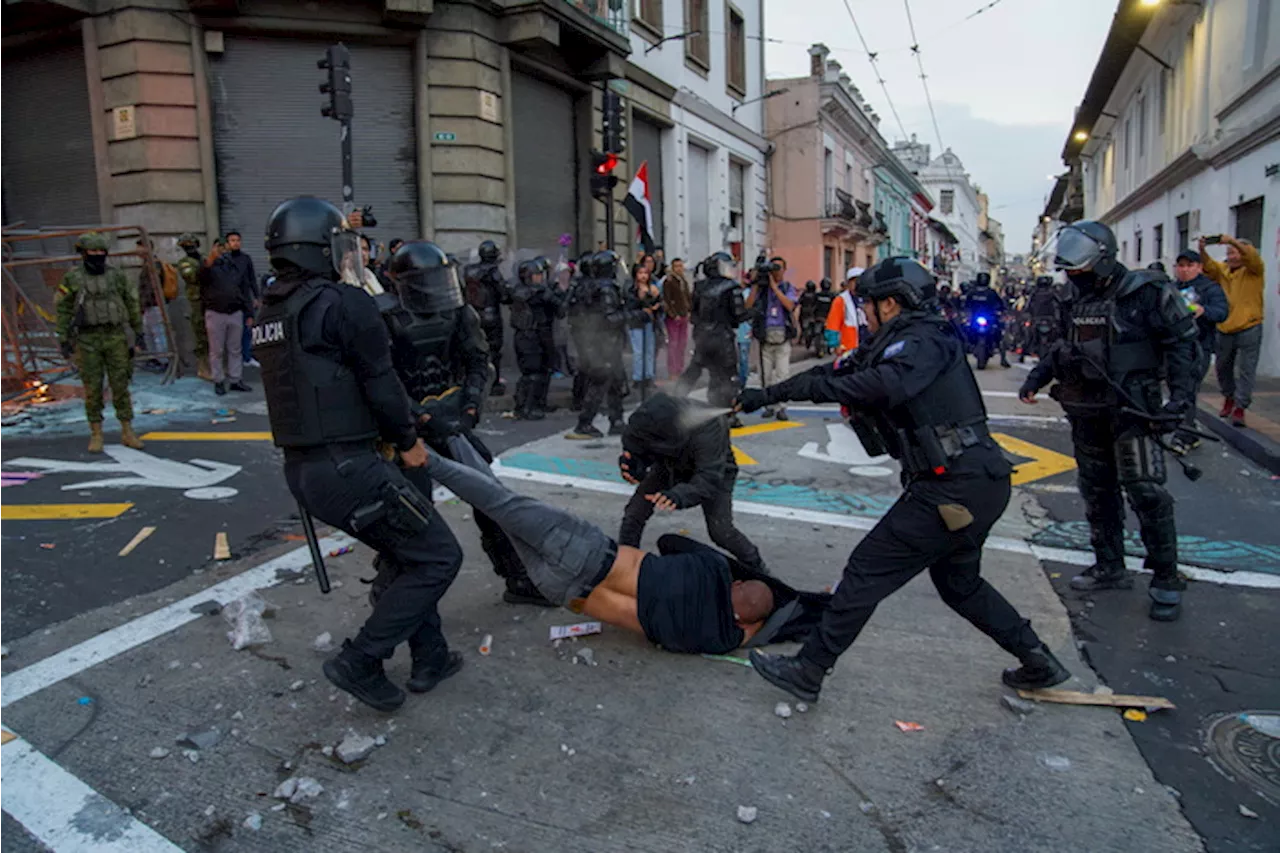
(344, 250)
(727, 269)
(1076, 251)
(431, 290)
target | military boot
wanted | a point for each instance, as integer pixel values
(799, 677)
(95, 437)
(363, 677)
(1101, 577)
(1166, 604)
(128, 437)
(1039, 669)
(424, 676)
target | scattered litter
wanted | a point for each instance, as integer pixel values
(1135, 715)
(338, 552)
(323, 643)
(192, 755)
(1055, 574)
(48, 546)
(380, 740)
(687, 780)
(1016, 705)
(802, 707)
(866, 807)
(908, 727)
(253, 821)
(295, 789)
(326, 750)
(1248, 812)
(223, 413)
(159, 752)
(279, 807)
(209, 811)
(212, 607)
(294, 537)
(136, 541)
(85, 700)
(174, 664)
(355, 748)
(586, 655)
(582, 629)
(486, 645)
(1115, 700)
(1055, 762)
(1244, 472)
(206, 739)
(1170, 659)
(747, 814)
(406, 817)
(245, 615)
(1267, 724)
(221, 548)
(297, 685)
(238, 715)
(782, 709)
(1173, 792)
(730, 659)
(217, 421)
(825, 814)
(156, 411)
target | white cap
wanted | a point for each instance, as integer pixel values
(854, 272)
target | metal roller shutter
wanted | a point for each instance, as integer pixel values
(699, 194)
(546, 164)
(271, 143)
(647, 146)
(49, 174)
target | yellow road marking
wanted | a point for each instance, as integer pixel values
(207, 436)
(6, 736)
(57, 512)
(221, 549)
(136, 540)
(1044, 462)
(743, 458)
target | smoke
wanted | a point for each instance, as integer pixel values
(694, 417)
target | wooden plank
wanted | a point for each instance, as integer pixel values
(221, 548)
(136, 541)
(1113, 700)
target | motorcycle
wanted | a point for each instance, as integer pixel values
(983, 338)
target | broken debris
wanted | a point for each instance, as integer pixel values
(159, 752)
(355, 748)
(1115, 700)
(1016, 705)
(136, 541)
(295, 789)
(323, 642)
(581, 629)
(1248, 812)
(802, 707)
(782, 709)
(221, 548)
(1135, 715)
(1054, 762)
(486, 645)
(212, 607)
(253, 821)
(747, 814)
(908, 727)
(297, 685)
(245, 615)
(206, 739)
(586, 655)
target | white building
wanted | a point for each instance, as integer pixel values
(1179, 134)
(956, 198)
(697, 119)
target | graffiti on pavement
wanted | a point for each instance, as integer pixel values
(198, 478)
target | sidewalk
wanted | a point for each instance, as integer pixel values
(1260, 440)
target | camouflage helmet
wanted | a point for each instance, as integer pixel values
(92, 241)
(186, 238)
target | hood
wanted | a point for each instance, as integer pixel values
(659, 426)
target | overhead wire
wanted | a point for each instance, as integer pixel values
(924, 78)
(871, 58)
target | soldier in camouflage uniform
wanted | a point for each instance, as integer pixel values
(189, 269)
(93, 304)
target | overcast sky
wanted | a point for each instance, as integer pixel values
(1005, 83)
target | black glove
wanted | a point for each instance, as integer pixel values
(750, 399)
(68, 349)
(470, 418)
(1028, 388)
(1176, 408)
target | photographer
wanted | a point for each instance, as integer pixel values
(773, 324)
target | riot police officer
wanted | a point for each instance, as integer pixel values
(528, 301)
(550, 311)
(1125, 325)
(576, 309)
(603, 317)
(910, 393)
(486, 292)
(983, 301)
(1042, 309)
(439, 353)
(718, 308)
(332, 393)
(810, 323)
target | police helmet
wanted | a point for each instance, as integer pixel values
(905, 279)
(528, 269)
(606, 264)
(810, 287)
(311, 234)
(720, 265)
(544, 264)
(425, 278)
(1086, 246)
(188, 239)
(92, 241)
(983, 279)
(489, 251)
(1044, 281)
(826, 285)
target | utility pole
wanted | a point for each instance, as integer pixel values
(337, 61)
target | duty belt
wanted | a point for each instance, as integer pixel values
(957, 439)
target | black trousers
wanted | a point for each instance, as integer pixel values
(717, 353)
(604, 384)
(493, 334)
(1199, 370)
(912, 537)
(1111, 457)
(339, 485)
(535, 369)
(718, 513)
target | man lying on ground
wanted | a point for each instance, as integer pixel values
(684, 600)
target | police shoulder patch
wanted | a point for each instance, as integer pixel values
(893, 349)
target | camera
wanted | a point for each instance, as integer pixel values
(764, 268)
(367, 217)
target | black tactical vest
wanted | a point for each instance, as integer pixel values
(1107, 340)
(523, 312)
(311, 400)
(716, 304)
(422, 348)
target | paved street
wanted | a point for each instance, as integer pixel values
(606, 743)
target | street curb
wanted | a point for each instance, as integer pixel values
(1252, 445)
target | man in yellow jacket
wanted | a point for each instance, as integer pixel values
(1240, 335)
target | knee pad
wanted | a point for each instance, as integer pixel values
(1139, 460)
(1149, 498)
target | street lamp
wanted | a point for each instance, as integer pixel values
(775, 93)
(1082, 135)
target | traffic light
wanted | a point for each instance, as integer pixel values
(602, 178)
(337, 61)
(614, 124)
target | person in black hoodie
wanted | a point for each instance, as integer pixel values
(1208, 303)
(677, 453)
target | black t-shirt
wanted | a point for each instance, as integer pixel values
(683, 603)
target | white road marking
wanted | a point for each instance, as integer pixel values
(1027, 419)
(66, 814)
(1258, 580)
(844, 448)
(1056, 488)
(197, 478)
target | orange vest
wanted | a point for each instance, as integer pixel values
(843, 318)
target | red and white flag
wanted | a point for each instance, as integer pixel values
(637, 204)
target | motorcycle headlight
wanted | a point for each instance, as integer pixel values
(982, 321)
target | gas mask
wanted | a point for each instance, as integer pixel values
(95, 264)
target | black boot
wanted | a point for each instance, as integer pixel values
(362, 676)
(1166, 604)
(1100, 577)
(795, 675)
(617, 427)
(520, 590)
(499, 388)
(584, 432)
(424, 677)
(1039, 669)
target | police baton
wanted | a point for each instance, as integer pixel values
(317, 559)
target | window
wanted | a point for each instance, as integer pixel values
(1249, 221)
(1157, 234)
(1184, 231)
(947, 200)
(1124, 251)
(1163, 106)
(735, 50)
(1137, 247)
(737, 195)
(649, 13)
(848, 260)
(828, 174)
(1124, 150)
(1258, 20)
(1142, 126)
(828, 259)
(697, 48)
(848, 179)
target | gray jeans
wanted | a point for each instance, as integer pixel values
(226, 337)
(564, 555)
(1239, 350)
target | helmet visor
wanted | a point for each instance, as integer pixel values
(726, 269)
(344, 249)
(431, 290)
(1076, 251)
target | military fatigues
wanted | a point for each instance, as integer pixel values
(92, 311)
(912, 395)
(718, 308)
(189, 269)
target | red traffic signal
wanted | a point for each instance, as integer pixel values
(604, 163)
(602, 178)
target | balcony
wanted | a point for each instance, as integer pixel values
(840, 205)
(592, 37)
(846, 216)
(611, 13)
